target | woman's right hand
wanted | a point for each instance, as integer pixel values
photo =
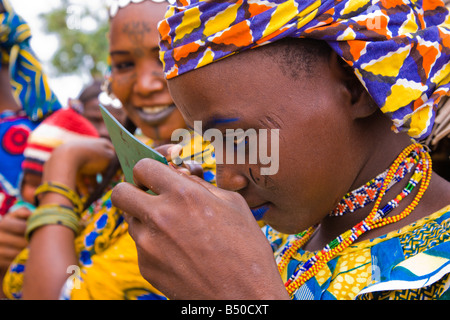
(172, 151)
(87, 156)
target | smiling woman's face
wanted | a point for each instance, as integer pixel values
(137, 75)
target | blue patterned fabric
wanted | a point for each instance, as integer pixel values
(411, 263)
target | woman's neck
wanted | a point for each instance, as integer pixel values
(7, 100)
(9, 106)
(381, 159)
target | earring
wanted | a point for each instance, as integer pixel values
(107, 97)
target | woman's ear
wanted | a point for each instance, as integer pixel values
(361, 103)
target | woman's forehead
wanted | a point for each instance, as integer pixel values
(142, 16)
(240, 75)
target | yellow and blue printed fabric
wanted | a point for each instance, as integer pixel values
(108, 266)
(29, 82)
(400, 50)
(412, 263)
(107, 257)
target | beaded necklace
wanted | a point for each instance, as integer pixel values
(367, 193)
(376, 218)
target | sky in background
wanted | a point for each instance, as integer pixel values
(45, 45)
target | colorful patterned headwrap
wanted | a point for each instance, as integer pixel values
(400, 50)
(29, 83)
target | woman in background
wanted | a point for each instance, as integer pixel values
(102, 255)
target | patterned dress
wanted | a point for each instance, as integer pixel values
(108, 266)
(407, 264)
(15, 128)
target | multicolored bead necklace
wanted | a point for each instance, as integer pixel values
(376, 218)
(367, 193)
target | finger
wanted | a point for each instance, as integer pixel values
(194, 168)
(174, 153)
(132, 201)
(13, 226)
(21, 213)
(7, 255)
(108, 143)
(140, 232)
(152, 175)
(183, 170)
(208, 186)
(168, 150)
(12, 241)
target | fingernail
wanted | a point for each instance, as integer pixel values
(173, 166)
(174, 153)
(175, 150)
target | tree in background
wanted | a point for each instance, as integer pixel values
(82, 35)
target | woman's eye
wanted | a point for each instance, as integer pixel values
(240, 139)
(123, 66)
(237, 139)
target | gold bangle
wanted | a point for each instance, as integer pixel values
(61, 189)
(52, 214)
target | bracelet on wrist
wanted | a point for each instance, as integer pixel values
(52, 214)
(61, 189)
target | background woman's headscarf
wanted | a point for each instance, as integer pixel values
(29, 83)
(30, 88)
(400, 50)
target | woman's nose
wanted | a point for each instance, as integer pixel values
(229, 178)
(148, 81)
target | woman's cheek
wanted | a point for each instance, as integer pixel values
(122, 86)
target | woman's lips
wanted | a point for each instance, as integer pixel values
(155, 115)
(260, 211)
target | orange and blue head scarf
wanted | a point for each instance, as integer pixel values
(399, 49)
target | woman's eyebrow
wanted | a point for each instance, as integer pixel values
(118, 52)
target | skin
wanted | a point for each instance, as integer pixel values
(136, 81)
(49, 258)
(93, 114)
(30, 182)
(335, 137)
(12, 240)
(8, 101)
(137, 77)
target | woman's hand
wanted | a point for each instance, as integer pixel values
(196, 241)
(172, 151)
(87, 156)
(52, 248)
(75, 165)
(12, 236)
